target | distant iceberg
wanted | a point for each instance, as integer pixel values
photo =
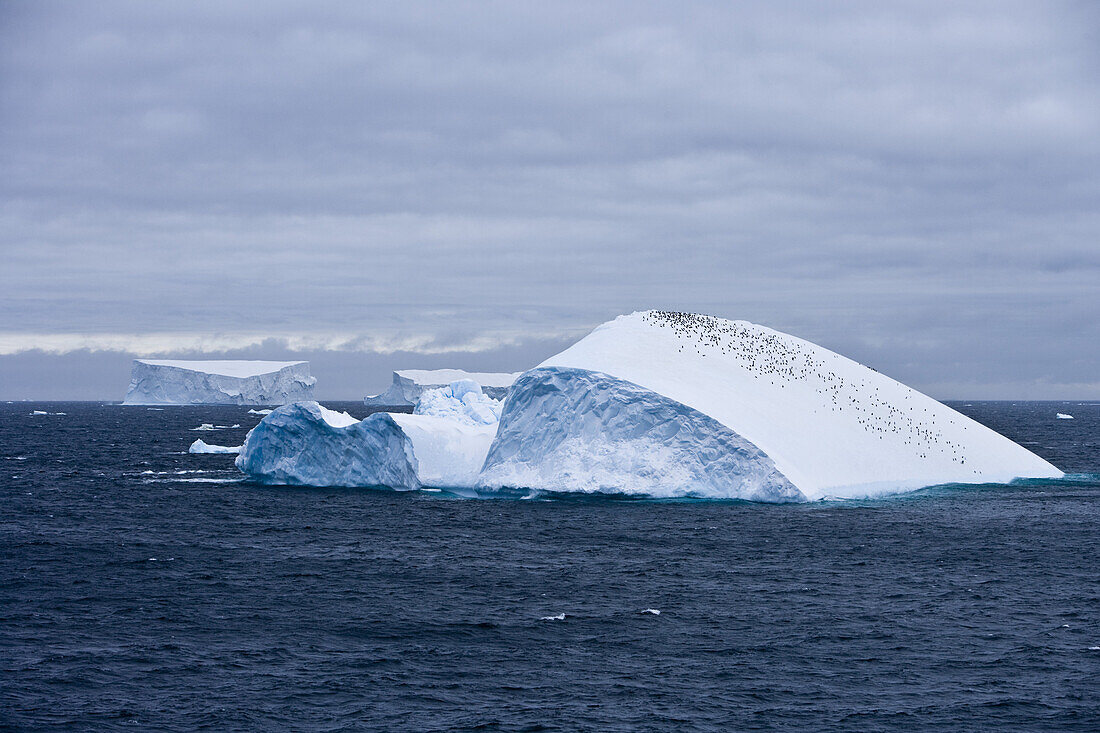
(409, 384)
(199, 446)
(679, 404)
(1064, 416)
(442, 445)
(171, 382)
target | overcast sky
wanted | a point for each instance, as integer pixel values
(385, 185)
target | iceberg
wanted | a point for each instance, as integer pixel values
(1063, 416)
(409, 384)
(680, 404)
(168, 382)
(200, 446)
(442, 445)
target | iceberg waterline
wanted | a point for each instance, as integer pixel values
(661, 404)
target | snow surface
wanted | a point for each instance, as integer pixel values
(306, 444)
(337, 419)
(155, 382)
(831, 427)
(409, 384)
(202, 447)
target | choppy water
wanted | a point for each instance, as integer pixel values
(142, 588)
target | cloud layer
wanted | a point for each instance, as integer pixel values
(912, 183)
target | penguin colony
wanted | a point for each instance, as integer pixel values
(773, 357)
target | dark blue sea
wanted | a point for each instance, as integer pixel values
(142, 588)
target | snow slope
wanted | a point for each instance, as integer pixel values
(830, 426)
(173, 382)
(308, 445)
(409, 384)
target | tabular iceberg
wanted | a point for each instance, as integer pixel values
(442, 446)
(409, 384)
(219, 382)
(675, 404)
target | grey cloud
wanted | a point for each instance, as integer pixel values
(901, 181)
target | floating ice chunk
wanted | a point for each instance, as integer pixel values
(259, 412)
(205, 426)
(200, 447)
(559, 617)
(1064, 416)
(654, 611)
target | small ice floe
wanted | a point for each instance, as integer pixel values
(40, 412)
(654, 611)
(559, 617)
(1064, 416)
(260, 412)
(202, 447)
(205, 426)
(1094, 648)
(155, 409)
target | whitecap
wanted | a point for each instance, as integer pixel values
(654, 611)
(559, 617)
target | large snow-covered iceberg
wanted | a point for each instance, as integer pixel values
(442, 445)
(409, 384)
(674, 404)
(218, 382)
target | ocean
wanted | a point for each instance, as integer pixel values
(143, 588)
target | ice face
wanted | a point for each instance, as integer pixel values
(297, 445)
(578, 430)
(218, 382)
